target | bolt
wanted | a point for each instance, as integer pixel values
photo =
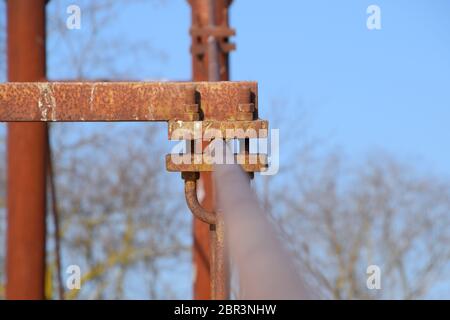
(246, 109)
(190, 175)
(191, 109)
(245, 95)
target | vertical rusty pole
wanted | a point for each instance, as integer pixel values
(27, 150)
(210, 62)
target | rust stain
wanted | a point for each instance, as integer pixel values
(197, 163)
(190, 192)
(120, 101)
(46, 101)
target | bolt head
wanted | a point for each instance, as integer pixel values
(190, 175)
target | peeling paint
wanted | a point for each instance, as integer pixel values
(109, 101)
(149, 114)
(46, 101)
(91, 98)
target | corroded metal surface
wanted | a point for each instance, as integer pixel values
(197, 163)
(220, 282)
(120, 101)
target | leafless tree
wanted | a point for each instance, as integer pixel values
(121, 220)
(99, 49)
(340, 219)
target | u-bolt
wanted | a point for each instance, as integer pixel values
(190, 192)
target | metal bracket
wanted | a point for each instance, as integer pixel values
(220, 33)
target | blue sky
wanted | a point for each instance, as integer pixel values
(382, 89)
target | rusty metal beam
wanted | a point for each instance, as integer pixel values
(26, 159)
(122, 101)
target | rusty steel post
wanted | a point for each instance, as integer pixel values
(27, 150)
(210, 55)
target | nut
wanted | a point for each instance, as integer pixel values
(246, 107)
